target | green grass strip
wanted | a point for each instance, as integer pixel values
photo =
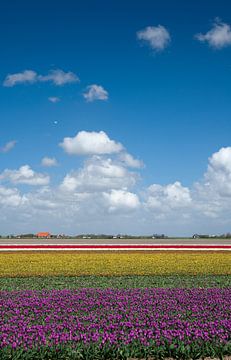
(125, 282)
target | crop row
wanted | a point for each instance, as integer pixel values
(116, 264)
(134, 320)
(117, 282)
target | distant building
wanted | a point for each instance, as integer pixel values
(196, 236)
(43, 235)
(201, 236)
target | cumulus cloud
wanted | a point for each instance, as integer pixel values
(218, 37)
(208, 198)
(157, 37)
(49, 162)
(217, 178)
(58, 77)
(8, 146)
(164, 198)
(121, 200)
(221, 160)
(98, 192)
(99, 174)
(212, 194)
(95, 92)
(90, 143)
(103, 195)
(130, 161)
(11, 197)
(54, 99)
(24, 175)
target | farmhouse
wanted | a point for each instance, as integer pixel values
(43, 235)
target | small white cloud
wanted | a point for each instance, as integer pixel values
(54, 99)
(27, 76)
(90, 143)
(121, 200)
(8, 146)
(24, 175)
(128, 160)
(49, 162)
(157, 37)
(218, 37)
(59, 77)
(95, 92)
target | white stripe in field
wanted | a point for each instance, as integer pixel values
(107, 244)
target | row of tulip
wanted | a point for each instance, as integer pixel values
(113, 263)
(126, 323)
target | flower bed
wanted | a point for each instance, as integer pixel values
(115, 264)
(113, 323)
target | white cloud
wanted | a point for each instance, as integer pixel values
(24, 175)
(8, 146)
(27, 76)
(121, 200)
(54, 99)
(157, 37)
(99, 174)
(130, 161)
(221, 160)
(49, 162)
(70, 183)
(218, 37)
(11, 197)
(213, 193)
(104, 196)
(57, 77)
(218, 176)
(164, 199)
(90, 143)
(95, 92)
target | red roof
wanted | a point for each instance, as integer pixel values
(43, 234)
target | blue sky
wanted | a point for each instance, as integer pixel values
(169, 107)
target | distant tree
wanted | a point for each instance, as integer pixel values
(27, 236)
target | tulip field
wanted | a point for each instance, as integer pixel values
(115, 305)
(114, 263)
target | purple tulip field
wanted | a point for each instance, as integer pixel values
(115, 323)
